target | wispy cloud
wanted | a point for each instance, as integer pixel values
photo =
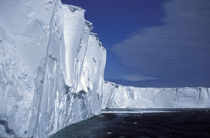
(177, 50)
(136, 77)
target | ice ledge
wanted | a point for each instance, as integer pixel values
(89, 24)
(74, 8)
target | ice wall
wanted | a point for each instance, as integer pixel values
(51, 68)
(118, 96)
(25, 28)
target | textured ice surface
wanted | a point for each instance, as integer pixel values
(118, 96)
(51, 67)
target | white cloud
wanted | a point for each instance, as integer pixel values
(179, 49)
(136, 77)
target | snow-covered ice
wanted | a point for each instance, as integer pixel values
(118, 96)
(50, 76)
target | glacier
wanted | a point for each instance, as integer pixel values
(52, 72)
(51, 68)
(128, 97)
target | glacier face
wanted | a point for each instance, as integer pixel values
(50, 76)
(52, 69)
(118, 96)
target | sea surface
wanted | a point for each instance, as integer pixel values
(165, 123)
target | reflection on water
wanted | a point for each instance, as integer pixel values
(184, 123)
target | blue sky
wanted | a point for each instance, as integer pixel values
(157, 43)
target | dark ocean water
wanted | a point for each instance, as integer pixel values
(184, 123)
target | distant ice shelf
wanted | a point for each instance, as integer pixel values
(150, 110)
(135, 111)
(118, 96)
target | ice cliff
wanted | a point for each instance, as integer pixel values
(118, 96)
(51, 68)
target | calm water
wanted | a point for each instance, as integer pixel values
(184, 123)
